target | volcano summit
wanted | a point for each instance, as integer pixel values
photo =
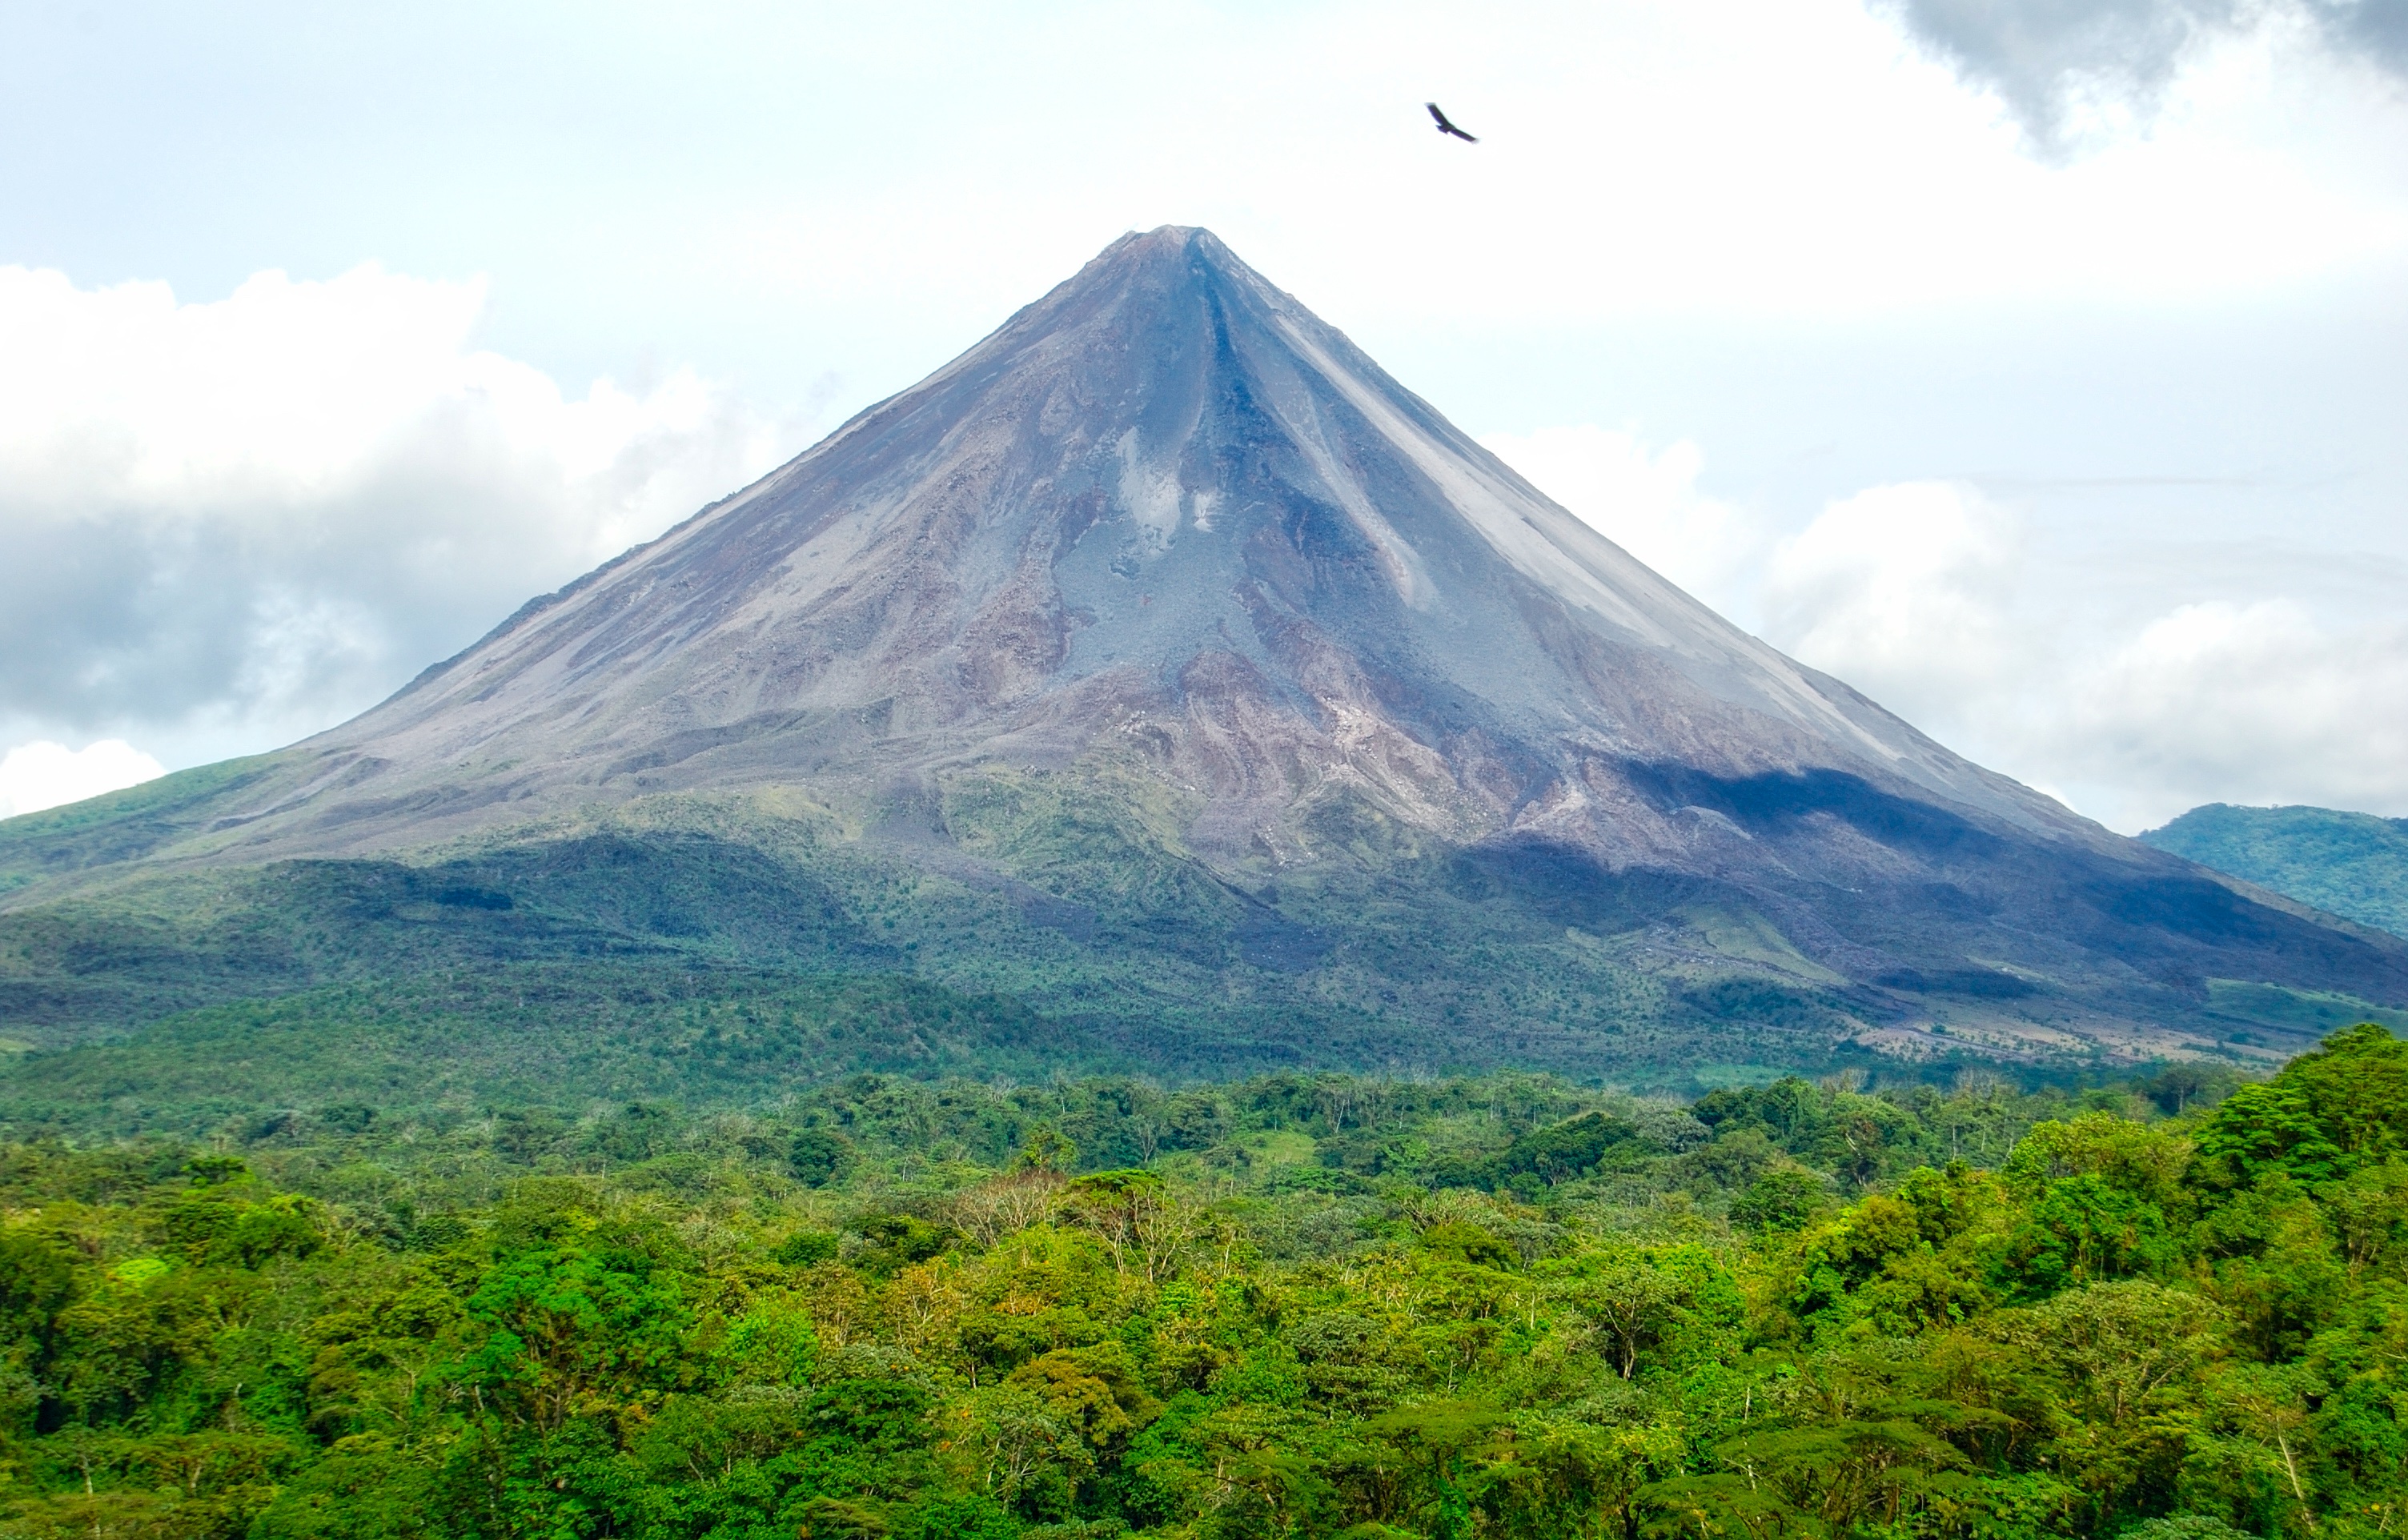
(1163, 663)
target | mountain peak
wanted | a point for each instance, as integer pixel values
(1161, 240)
(1164, 245)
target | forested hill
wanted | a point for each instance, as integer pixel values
(2352, 865)
(1297, 1306)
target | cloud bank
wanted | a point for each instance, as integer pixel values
(232, 522)
(2114, 687)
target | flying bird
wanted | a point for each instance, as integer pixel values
(1445, 127)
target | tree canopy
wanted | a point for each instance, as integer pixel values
(1295, 1306)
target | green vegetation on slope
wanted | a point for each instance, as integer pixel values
(1071, 895)
(1297, 1306)
(534, 1034)
(1087, 915)
(2352, 865)
(119, 826)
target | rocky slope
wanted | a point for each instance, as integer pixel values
(1165, 505)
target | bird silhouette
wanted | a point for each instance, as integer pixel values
(1445, 127)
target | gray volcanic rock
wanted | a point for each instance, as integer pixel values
(1172, 542)
(1166, 507)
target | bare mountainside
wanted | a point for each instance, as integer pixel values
(1165, 505)
(1164, 663)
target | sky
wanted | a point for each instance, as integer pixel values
(2038, 367)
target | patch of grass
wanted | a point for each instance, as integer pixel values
(1281, 1146)
(2296, 1010)
(1721, 1076)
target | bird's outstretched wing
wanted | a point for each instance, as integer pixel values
(1446, 127)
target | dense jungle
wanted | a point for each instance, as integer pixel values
(1290, 1306)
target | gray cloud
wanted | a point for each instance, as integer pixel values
(114, 617)
(228, 524)
(2052, 62)
(2377, 29)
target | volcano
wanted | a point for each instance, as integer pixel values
(1165, 663)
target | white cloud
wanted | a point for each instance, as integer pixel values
(2108, 682)
(1902, 592)
(1645, 501)
(244, 519)
(2248, 703)
(40, 775)
(2111, 687)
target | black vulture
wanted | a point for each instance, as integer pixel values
(1445, 127)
